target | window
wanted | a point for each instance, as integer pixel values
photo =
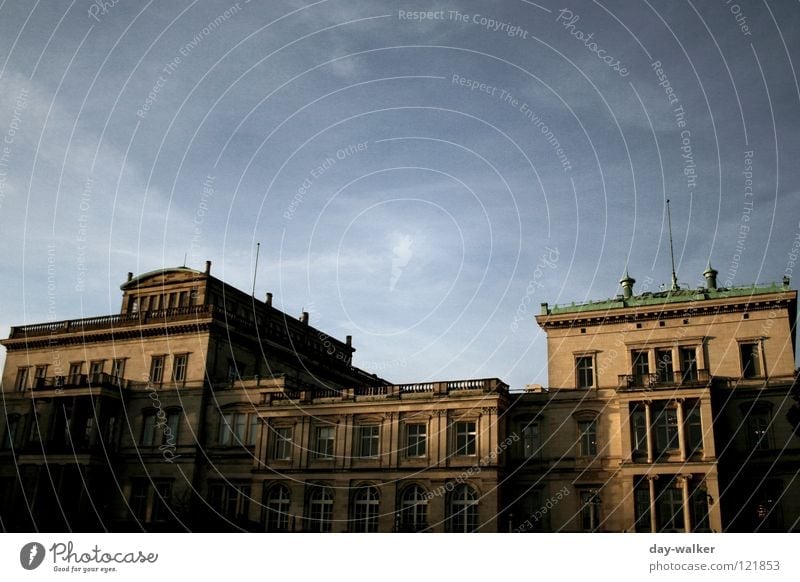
(531, 440)
(699, 502)
(670, 510)
(416, 440)
(465, 433)
(750, 360)
(584, 371)
(21, 383)
(368, 442)
(10, 434)
(688, 364)
(665, 426)
(588, 437)
(133, 305)
(324, 443)
(157, 369)
(319, 515)
(237, 429)
(642, 506)
(641, 367)
(161, 428)
(413, 509)
(664, 370)
(75, 370)
(231, 500)
(118, 368)
(149, 501)
(693, 427)
(639, 430)
(365, 510)
(590, 509)
(276, 508)
(235, 370)
(281, 443)
(96, 370)
(39, 375)
(179, 363)
(758, 423)
(462, 510)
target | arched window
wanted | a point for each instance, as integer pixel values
(319, 513)
(276, 507)
(365, 509)
(462, 510)
(413, 509)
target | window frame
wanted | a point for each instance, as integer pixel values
(413, 508)
(587, 446)
(463, 509)
(319, 509)
(368, 441)
(416, 441)
(276, 507)
(754, 358)
(158, 364)
(324, 455)
(365, 509)
(180, 367)
(21, 380)
(462, 432)
(279, 442)
(584, 371)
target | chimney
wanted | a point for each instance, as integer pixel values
(269, 299)
(130, 276)
(208, 267)
(786, 281)
(304, 317)
(711, 278)
(627, 285)
(349, 341)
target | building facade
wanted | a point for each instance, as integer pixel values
(201, 408)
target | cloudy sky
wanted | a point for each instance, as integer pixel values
(420, 181)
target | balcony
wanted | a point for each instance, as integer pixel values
(73, 381)
(664, 380)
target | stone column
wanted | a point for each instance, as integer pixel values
(648, 420)
(651, 482)
(687, 510)
(681, 433)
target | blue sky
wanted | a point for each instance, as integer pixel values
(422, 185)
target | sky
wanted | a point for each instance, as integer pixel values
(421, 176)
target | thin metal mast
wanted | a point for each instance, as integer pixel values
(671, 250)
(255, 269)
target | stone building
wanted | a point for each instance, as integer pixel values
(199, 407)
(666, 411)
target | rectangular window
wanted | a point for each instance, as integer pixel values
(281, 443)
(588, 437)
(118, 368)
(590, 510)
(688, 364)
(161, 494)
(21, 383)
(10, 435)
(133, 305)
(465, 433)
(157, 369)
(96, 370)
(148, 430)
(75, 370)
(230, 500)
(368, 441)
(416, 440)
(139, 489)
(664, 370)
(641, 367)
(670, 510)
(40, 374)
(694, 428)
(666, 429)
(324, 443)
(758, 423)
(179, 363)
(584, 370)
(237, 429)
(531, 441)
(751, 367)
(642, 507)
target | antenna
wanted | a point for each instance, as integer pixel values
(671, 250)
(255, 269)
(184, 258)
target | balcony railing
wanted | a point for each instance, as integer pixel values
(664, 379)
(100, 380)
(119, 320)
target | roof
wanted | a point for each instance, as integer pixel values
(664, 298)
(135, 280)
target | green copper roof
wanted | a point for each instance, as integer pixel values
(664, 298)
